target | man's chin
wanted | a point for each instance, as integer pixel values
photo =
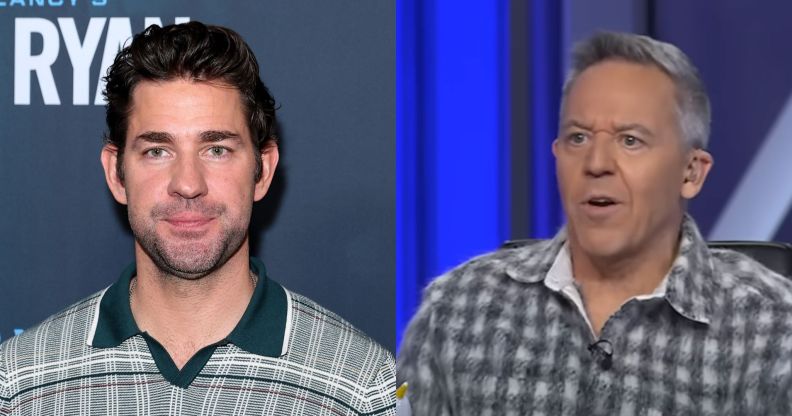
(187, 268)
(602, 244)
(188, 261)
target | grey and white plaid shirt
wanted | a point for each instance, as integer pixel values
(491, 338)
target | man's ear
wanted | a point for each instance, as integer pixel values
(698, 166)
(109, 159)
(555, 148)
(269, 161)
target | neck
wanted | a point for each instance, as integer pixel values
(186, 315)
(638, 275)
(607, 283)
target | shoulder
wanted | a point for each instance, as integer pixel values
(324, 339)
(490, 285)
(57, 338)
(505, 269)
(754, 312)
(744, 279)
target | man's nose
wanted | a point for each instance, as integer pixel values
(187, 178)
(599, 159)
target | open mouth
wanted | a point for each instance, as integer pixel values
(601, 202)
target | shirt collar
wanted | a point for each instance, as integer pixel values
(531, 263)
(561, 275)
(689, 284)
(686, 285)
(263, 329)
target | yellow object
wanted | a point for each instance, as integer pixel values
(401, 391)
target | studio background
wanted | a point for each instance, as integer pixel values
(326, 230)
(478, 88)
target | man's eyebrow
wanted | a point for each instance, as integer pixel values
(633, 126)
(154, 137)
(575, 123)
(618, 128)
(219, 135)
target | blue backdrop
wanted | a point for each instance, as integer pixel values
(326, 229)
(477, 100)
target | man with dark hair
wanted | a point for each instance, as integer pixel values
(626, 311)
(195, 325)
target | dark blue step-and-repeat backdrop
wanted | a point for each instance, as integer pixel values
(326, 229)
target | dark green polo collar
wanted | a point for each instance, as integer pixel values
(262, 328)
(260, 331)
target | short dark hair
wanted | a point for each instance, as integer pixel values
(193, 51)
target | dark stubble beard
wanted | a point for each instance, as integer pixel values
(187, 259)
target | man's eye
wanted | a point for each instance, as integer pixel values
(155, 152)
(218, 151)
(631, 141)
(577, 138)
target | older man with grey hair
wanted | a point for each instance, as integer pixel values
(626, 311)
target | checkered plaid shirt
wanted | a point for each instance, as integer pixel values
(490, 338)
(287, 356)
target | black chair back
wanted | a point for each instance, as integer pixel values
(776, 256)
